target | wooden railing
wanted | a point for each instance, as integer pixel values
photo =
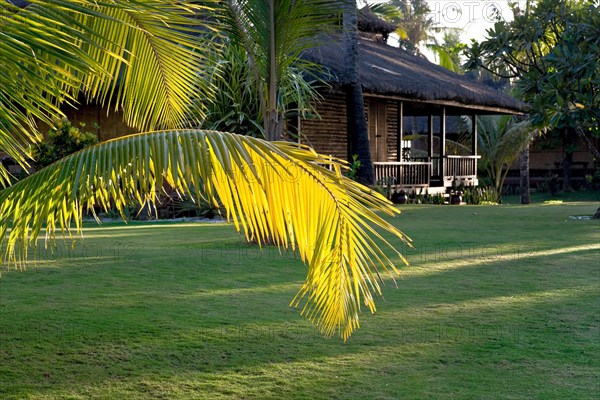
(406, 173)
(419, 173)
(461, 166)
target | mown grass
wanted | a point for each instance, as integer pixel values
(499, 303)
(541, 197)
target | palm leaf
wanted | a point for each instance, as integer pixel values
(272, 191)
(138, 56)
(444, 59)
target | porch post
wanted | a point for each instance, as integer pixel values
(430, 138)
(400, 128)
(474, 144)
(474, 129)
(443, 143)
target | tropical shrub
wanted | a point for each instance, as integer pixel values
(234, 105)
(61, 140)
(480, 195)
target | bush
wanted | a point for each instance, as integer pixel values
(476, 195)
(61, 140)
(437, 199)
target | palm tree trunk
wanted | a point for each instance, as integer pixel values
(524, 174)
(355, 106)
(272, 123)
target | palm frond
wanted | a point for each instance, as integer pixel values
(153, 52)
(272, 191)
(516, 137)
(444, 59)
(388, 11)
(139, 56)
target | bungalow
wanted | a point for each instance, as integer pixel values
(421, 117)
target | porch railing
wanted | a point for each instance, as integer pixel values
(461, 166)
(436, 164)
(406, 173)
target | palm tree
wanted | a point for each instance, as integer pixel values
(501, 140)
(274, 33)
(412, 18)
(145, 57)
(122, 58)
(447, 53)
(357, 123)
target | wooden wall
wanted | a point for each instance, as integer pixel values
(328, 134)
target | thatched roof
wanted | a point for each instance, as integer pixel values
(390, 71)
(369, 22)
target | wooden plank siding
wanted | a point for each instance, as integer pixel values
(328, 134)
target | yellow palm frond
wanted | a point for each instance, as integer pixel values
(271, 191)
(152, 52)
(142, 57)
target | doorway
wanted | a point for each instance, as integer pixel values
(377, 125)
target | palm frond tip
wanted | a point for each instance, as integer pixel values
(271, 191)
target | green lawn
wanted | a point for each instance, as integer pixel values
(499, 303)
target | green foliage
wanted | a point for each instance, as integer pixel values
(61, 140)
(234, 105)
(592, 181)
(550, 185)
(354, 167)
(500, 140)
(478, 195)
(552, 49)
(128, 212)
(563, 93)
(448, 52)
(426, 198)
(273, 34)
(193, 206)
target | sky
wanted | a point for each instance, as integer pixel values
(472, 17)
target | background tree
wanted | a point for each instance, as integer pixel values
(551, 50)
(448, 52)
(500, 141)
(412, 18)
(234, 104)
